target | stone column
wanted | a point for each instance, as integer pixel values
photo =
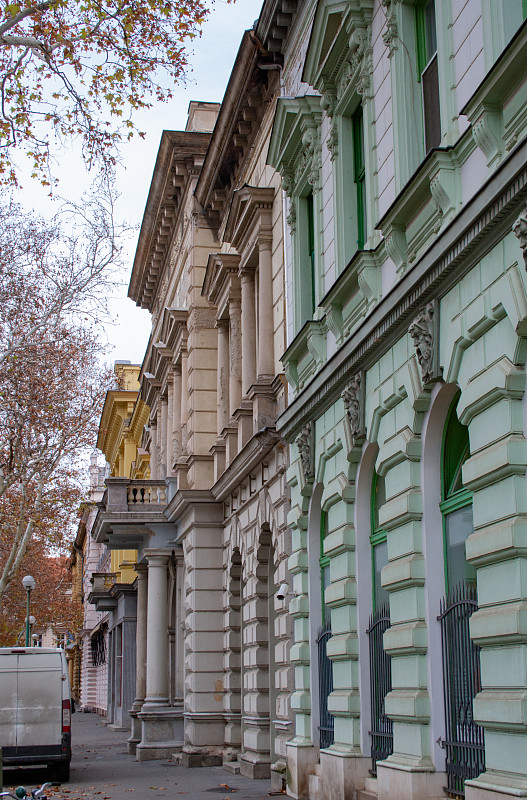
(140, 655)
(223, 374)
(248, 330)
(153, 451)
(161, 724)
(163, 415)
(235, 387)
(265, 309)
(170, 422)
(176, 412)
(157, 623)
(184, 400)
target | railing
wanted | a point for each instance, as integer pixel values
(325, 685)
(381, 732)
(102, 581)
(464, 742)
(98, 648)
(146, 493)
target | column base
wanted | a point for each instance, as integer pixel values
(279, 776)
(302, 758)
(408, 782)
(193, 757)
(161, 732)
(495, 786)
(255, 766)
(135, 733)
(342, 774)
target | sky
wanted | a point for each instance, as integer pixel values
(211, 61)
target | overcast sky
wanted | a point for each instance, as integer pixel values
(211, 61)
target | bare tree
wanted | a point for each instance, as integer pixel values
(52, 384)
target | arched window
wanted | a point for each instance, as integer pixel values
(464, 739)
(456, 505)
(381, 732)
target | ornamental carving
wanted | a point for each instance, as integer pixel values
(424, 332)
(304, 442)
(390, 35)
(520, 230)
(353, 399)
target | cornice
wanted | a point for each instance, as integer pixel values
(482, 222)
(256, 449)
(244, 105)
(250, 216)
(179, 160)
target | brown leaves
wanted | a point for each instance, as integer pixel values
(73, 67)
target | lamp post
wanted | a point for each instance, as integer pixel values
(29, 584)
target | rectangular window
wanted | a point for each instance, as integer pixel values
(310, 208)
(427, 69)
(359, 175)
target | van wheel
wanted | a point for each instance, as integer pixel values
(61, 771)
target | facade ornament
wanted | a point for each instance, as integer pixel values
(304, 442)
(288, 183)
(520, 230)
(291, 217)
(390, 34)
(353, 399)
(333, 140)
(424, 332)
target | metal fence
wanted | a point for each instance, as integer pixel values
(325, 686)
(464, 742)
(381, 732)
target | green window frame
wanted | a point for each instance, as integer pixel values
(456, 500)
(310, 215)
(359, 174)
(427, 71)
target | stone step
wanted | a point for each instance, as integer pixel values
(364, 794)
(232, 767)
(370, 785)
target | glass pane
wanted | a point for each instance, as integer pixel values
(431, 106)
(380, 559)
(430, 29)
(458, 526)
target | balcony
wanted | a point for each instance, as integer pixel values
(130, 513)
(102, 583)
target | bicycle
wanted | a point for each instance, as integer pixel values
(37, 794)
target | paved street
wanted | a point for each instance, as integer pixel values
(101, 769)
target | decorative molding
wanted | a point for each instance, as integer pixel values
(353, 399)
(486, 131)
(520, 230)
(424, 330)
(306, 449)
(391, 33)
(478, 228)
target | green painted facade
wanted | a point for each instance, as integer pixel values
(408, 384)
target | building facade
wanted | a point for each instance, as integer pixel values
(400, 138)
(208, 517)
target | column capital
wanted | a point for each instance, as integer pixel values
(141, 569)
(265, 242)
(157, 557)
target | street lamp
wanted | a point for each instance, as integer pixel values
(29, 584)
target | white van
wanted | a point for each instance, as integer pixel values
(35, 708)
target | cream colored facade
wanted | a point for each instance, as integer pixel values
(209, 520)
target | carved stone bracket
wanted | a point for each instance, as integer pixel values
(353, 399)
(306, 448)
(520, 230)
(391, 33)
(424, 330)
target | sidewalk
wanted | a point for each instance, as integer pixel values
(101, 769)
